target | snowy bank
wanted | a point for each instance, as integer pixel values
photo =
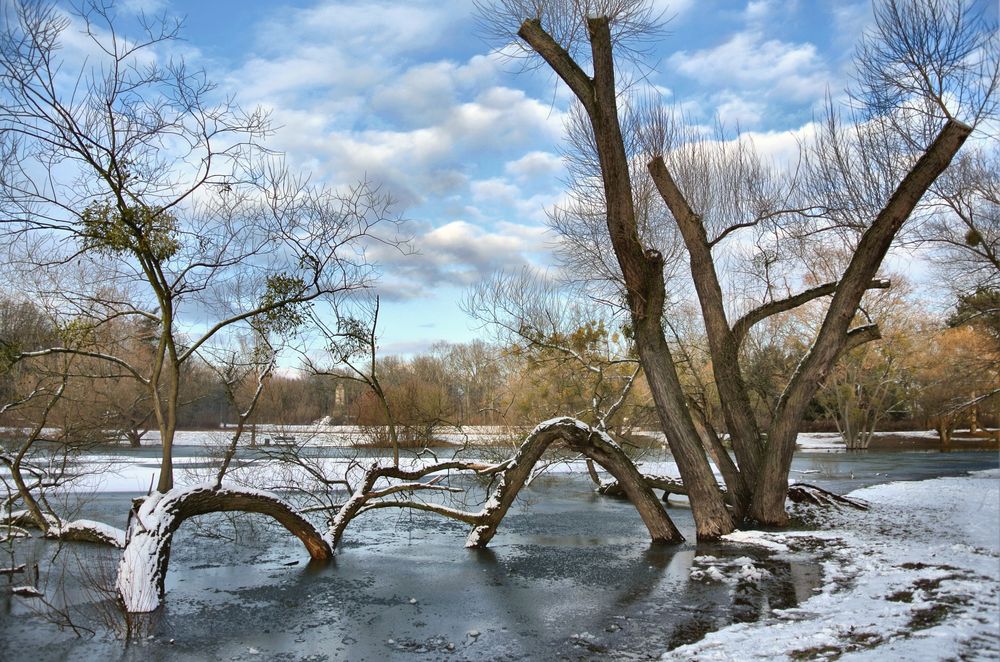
(917, 577)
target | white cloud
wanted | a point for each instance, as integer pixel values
(781, 147)
(735, 111)
(434, 159)
(144, 6)
(373, 29)
(850, 20)
(495, 189)
(535, 165)
(749, 61)
(758, 10)
(670, 9)
(457, 254)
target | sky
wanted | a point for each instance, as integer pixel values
(412, 96)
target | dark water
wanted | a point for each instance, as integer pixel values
(570, 576)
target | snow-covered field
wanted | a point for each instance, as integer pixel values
(915, 578)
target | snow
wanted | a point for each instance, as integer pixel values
(729, 571)
(820, 441)
(917, 577)
(150, 528)
(113, 535)
(758, 538)
(27, 592)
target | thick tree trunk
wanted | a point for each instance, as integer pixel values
(153, 521)
(723, 345)
(596, 446)
(768, 505)
(707, 506)
(642, 270)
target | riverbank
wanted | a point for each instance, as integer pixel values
(917, 577)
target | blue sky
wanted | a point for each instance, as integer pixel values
(409, 95)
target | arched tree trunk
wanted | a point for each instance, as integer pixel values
(595, 445)
(153, 521)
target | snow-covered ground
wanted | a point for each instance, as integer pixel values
(915, 578)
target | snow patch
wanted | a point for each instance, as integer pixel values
(916, 577)
(758, 538)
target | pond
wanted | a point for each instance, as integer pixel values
(570, 575)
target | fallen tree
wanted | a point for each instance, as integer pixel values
(595, 445)
(513, 474)
(80, 530)
(154, 519)
(797, 492)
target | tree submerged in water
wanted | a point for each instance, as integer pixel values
(868, 177)
(173, 202)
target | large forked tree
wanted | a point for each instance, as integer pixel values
(129, 169)
(902, 143)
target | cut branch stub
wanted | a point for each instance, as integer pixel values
(595, 445)
(153, 521)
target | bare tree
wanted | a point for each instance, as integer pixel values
(352, 349)
(965, 232)
(124, 171)
(900, 158)
(552, 328)
(137, 170)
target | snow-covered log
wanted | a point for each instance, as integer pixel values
(817, 496)
(592, 443)
(669, 485)
(797, 492)
(81, 530)
(514, 474)
(24, 520)
(154, 519)
(27, 592)
(85, 530)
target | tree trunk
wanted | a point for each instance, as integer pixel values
(154, 519)
(707, 506)
(596, 446)
(642, 270)
(768, 505)
(723, 345)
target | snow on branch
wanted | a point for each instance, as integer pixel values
(154, 519)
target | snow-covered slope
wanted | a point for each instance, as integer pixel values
(915, 578)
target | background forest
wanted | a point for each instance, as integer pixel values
(927, 371)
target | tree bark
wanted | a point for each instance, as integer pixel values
(768, 506)
(722, 341)
(153, 521)
(596, 446)
(642, 270)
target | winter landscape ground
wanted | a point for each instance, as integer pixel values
(917, 577)
(570, 574)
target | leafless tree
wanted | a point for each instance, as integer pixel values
(552, 327)
(136, 169)
(351, 348)
(964, 233)
(871, 171)
(125, 171)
